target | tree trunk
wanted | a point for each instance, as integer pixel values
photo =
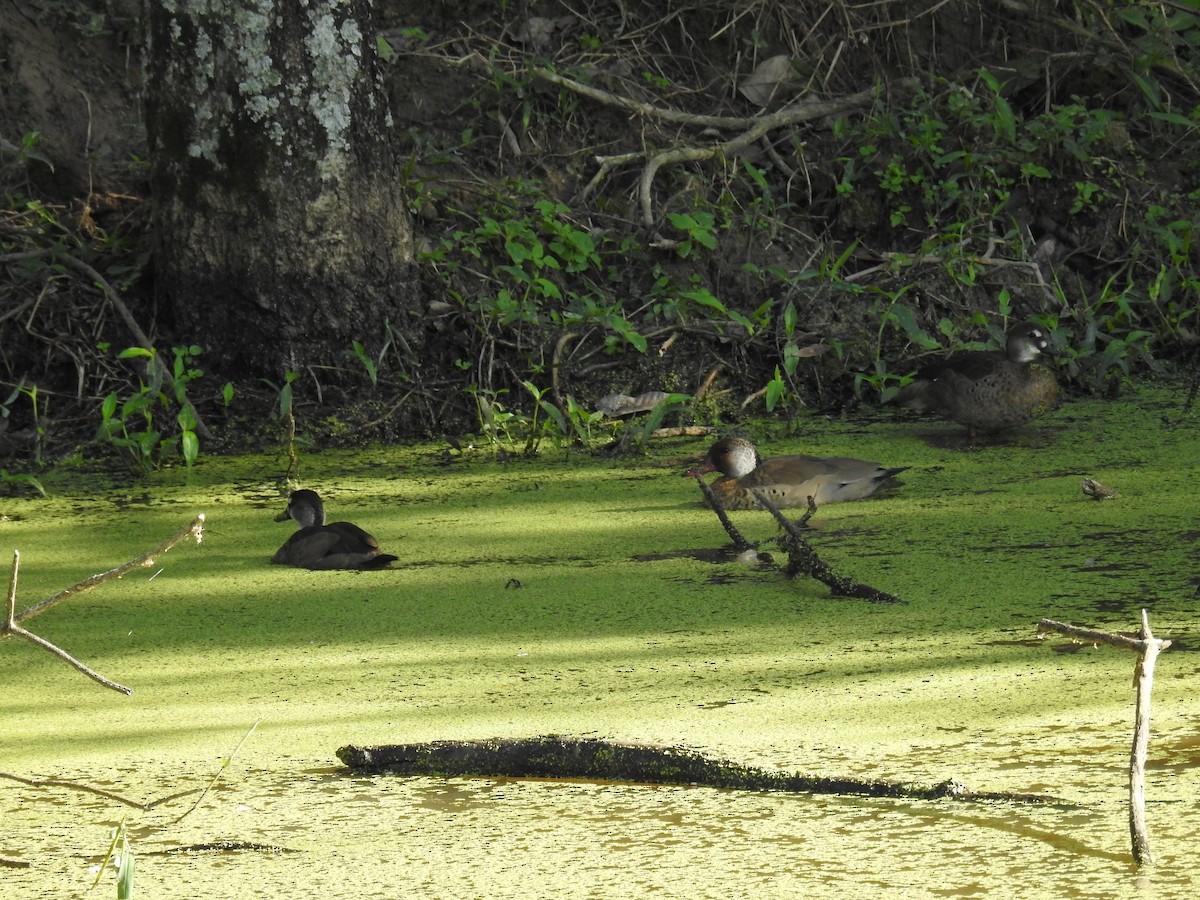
(282, 236)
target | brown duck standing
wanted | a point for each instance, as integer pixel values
(338, 545)
(988, 390)
(787, 481)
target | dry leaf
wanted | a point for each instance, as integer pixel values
(772, 78)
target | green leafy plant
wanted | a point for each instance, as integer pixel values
(285, 410)
(393, 343)
(497, 423)
(120, 854)
(777, 391)
(30, 149)
(546, 418)
(133, 425)
(369, 364)
(639, 432)
(699, 228)
(39, 420)
(582, 422)
(21, 479)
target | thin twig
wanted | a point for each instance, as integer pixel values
(10, 627)
(146, 559)
(739, 543)
(224, 765)
(131, 323)
(802, 559)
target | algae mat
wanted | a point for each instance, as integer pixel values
(573, 595)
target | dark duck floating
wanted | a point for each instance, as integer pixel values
(988, 390)
(338, 545)
(787, 481)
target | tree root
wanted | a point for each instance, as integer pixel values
(752, 129)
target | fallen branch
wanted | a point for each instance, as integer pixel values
(1148, 647)
(10, 624)
(221, 847)
(752, 128)
(740, 544)
(552, 756)
(803, 560)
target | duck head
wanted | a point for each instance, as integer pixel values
(1025, 342)
(731, 456)
(305, 507)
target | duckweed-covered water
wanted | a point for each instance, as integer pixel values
(576, 595)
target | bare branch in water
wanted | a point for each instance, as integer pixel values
(10, 624)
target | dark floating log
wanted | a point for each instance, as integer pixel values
(599, 760)
(221, 847)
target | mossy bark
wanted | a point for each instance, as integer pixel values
(282, 235)
(597, 760)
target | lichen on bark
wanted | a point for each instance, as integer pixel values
(274, 178)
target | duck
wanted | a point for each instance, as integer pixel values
(988, 390)
(787, 481)
(338, 545)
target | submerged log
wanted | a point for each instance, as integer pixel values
(592, 759)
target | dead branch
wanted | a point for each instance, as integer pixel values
(1148, 647)
(802, 559)
(196, 529)
(18, 631)
(682, 431)
(739, 543)
(753, 129)
(1113, 639)
(10, 626)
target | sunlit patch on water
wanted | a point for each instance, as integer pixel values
(520, 838)
(982, 543)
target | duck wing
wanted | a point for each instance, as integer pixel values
(338, 545)
(788, 481)
(306, 546)
(351, 538)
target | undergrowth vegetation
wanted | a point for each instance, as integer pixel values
(761, 208)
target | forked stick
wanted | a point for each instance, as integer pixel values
(10, 624)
